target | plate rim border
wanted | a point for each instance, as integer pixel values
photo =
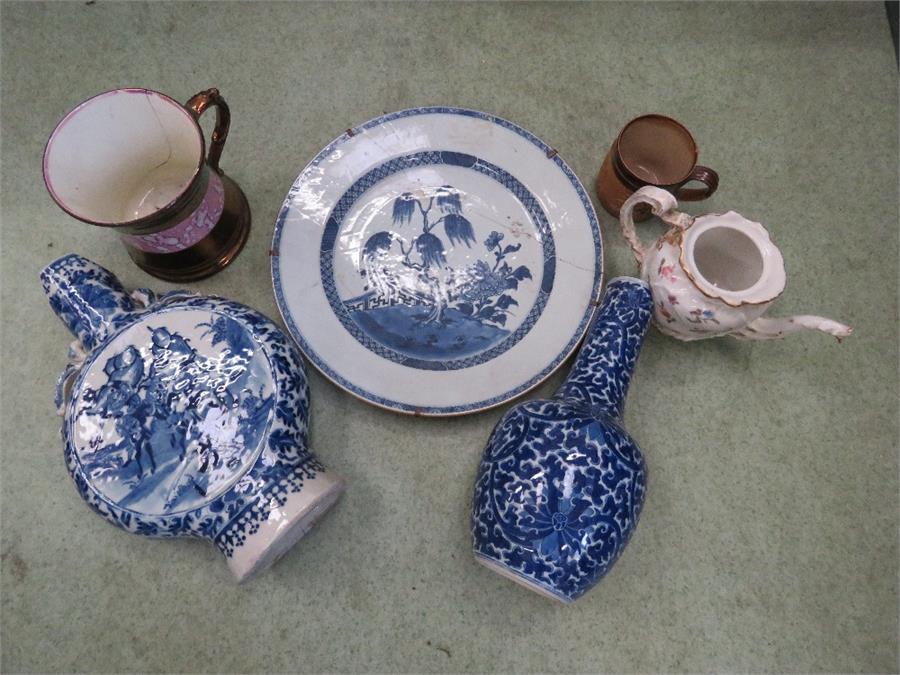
(440, 411)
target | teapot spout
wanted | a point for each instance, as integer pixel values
(88, 298)
(764, 328)
(602, 372)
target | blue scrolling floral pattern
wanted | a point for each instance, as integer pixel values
(88, 299)
(561, 484)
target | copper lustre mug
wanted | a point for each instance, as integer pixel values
(134, 160)
(652, 150)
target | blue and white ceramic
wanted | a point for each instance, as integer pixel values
(437, 261)
(186, 416)
(561, 484)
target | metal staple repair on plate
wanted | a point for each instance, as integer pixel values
(551, 153)
(273, 253)
(351, 132)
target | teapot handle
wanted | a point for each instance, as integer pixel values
(662, 204)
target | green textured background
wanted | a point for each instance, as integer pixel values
(769, 540)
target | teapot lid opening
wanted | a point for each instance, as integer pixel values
(733, 259)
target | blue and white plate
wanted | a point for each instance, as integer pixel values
(437, 261)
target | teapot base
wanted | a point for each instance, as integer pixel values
(515, 576)
(285, 527)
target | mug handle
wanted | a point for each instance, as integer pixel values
(197, 105)
(704, 175)
(662, 203)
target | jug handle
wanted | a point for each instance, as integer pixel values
(197, 105)
(662, 204)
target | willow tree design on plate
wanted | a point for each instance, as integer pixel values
(415, 301)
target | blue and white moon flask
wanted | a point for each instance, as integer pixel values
(186, 415)
(561, 483)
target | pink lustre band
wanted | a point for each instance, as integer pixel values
(190, 230)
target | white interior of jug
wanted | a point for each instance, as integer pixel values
(122, 155)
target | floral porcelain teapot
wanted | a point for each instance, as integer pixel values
(715, 274)
(561, 484)
(186, 416)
